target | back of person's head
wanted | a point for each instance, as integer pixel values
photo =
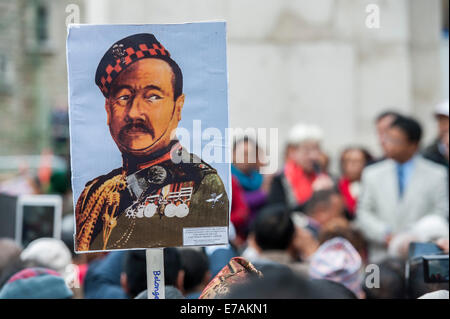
(172, 267)
(36, 283)
(196, 270)
(9, 251)
(332, 290)
(392, 283)
(325, 206)
(410, 127)
(134, 268)
(283, 283)
(416, 285)
(277, 283)
(273, 228)
(318, 200)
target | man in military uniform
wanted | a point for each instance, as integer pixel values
(161, 188)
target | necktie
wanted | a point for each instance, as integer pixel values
(401, 179)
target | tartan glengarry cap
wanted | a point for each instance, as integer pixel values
(123, 53)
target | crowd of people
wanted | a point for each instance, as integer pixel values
(300, 233)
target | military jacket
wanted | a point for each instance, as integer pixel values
(151, 207)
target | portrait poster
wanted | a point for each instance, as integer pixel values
(148, 111)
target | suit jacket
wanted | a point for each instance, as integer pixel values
(381, 210)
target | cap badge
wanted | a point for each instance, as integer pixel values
(118, 52)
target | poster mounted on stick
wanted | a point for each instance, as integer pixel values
(148, 115)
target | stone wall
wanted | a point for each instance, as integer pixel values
(37, 76)
(314, 61)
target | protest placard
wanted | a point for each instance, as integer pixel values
(142, 171)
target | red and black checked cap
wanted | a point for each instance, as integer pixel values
(123, 53)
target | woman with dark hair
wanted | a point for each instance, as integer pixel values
(248, 186)
(353, 160)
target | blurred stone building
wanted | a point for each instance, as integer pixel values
(33, 77)
(316, 61)
(289, 61)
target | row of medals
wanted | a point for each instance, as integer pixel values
(179, 210)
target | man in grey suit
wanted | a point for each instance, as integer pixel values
(399, 191)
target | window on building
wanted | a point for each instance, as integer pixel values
(41, 24)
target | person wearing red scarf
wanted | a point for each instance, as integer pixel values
(302, 173)
(239, 211)
(353, 161)
(300, 180)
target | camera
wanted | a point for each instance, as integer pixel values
(426, 270)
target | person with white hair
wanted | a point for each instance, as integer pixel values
(302, 173)
(50, 253)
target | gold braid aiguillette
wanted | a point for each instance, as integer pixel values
(106, 198)
(109, 220)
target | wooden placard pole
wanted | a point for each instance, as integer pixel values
(155, 273)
